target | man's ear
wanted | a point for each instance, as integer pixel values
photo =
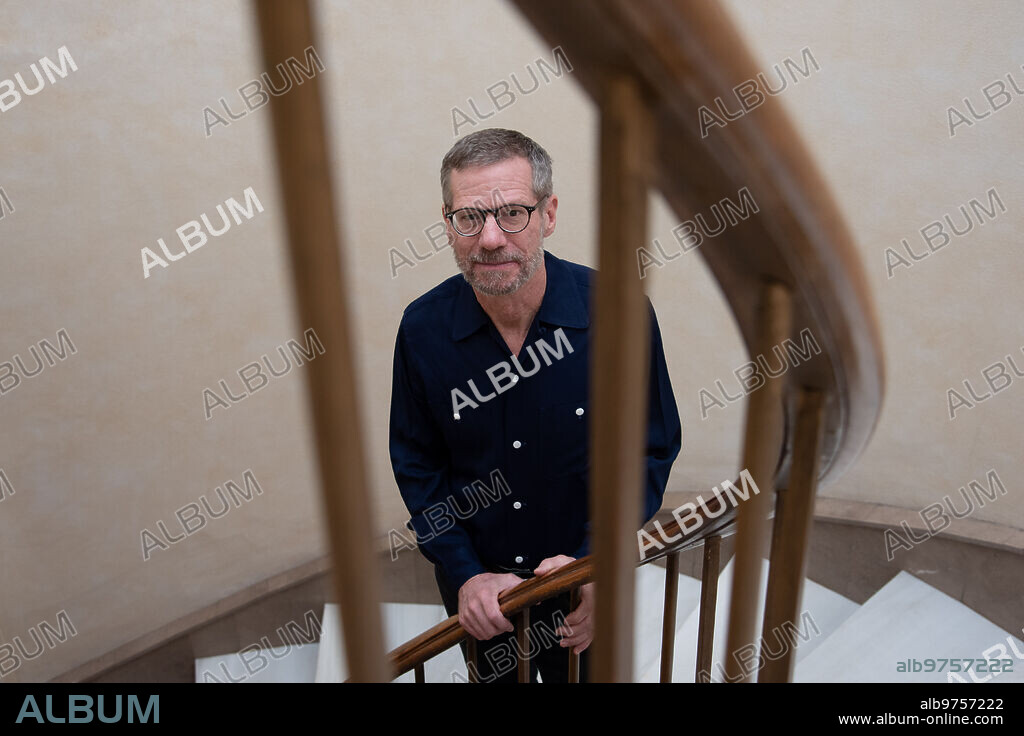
(550, 208)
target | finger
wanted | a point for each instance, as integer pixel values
(490, 609)
(497, 620)
(580, 637)
(580, 622)
(469, 626)
(493, 626)
(569, 633)
(510, 582)
(486, 630)
(482, 620)
(576, 619)
(577, 634)
(572, 641)
(580, 649)
(480, 625)
(552, 563)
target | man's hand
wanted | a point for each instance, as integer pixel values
(578, 631)
(479, 613)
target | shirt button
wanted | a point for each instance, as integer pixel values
(519, 559)
(517, 505)
(579, 412)
(517, 444)
(515, 378)
(456, 417)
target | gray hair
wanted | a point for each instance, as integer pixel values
(491, 146)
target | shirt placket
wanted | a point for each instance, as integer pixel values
(520, 450)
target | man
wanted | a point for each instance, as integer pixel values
(490, 406)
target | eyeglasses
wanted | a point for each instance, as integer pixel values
(512, 218)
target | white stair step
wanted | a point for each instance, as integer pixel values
(402, 622)
(909, 619)
(649, 612)
(822, 612)
(828, 609)
(296, 663)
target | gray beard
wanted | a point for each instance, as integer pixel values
(497, 286)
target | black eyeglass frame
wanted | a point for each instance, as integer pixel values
(494, 212)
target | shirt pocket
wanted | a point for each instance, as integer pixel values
(564, 438)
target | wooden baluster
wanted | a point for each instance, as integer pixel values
(619, 373)
(668, 626)
(761, 449)
(794, 513)
(471, 666)
(303, 163)
(574, 659)
(523, 644)
(708, 606)
(420, 675)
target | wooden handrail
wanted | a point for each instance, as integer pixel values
(534, 590)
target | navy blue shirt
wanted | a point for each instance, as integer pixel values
(490, 451)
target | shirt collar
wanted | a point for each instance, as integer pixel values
(562, 305)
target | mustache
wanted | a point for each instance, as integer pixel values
(496, 257)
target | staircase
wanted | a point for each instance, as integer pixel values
(649, 67)
(827, 610)
(909, 619)
(836, 640)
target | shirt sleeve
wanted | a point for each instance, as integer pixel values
(664, 433)
(664, 430)
(419, 459)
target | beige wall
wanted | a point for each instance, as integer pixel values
(107, 160)
(875, 118)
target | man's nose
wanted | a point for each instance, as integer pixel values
(491, 236)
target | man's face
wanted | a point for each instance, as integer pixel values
(493, 261)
